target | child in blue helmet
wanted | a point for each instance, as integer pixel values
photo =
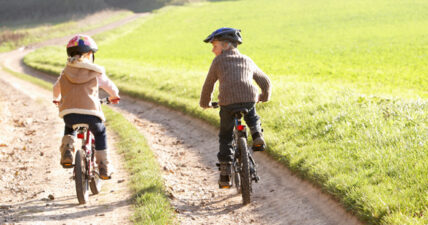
(235, 73)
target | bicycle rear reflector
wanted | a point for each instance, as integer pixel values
(240, 127)
(80, 135)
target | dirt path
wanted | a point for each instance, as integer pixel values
(186, 150)
(34, 188)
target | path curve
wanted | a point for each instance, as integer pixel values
(186, 150)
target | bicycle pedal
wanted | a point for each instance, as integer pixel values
(224, 187)
(105, 177)
(67, 166)
(258, 148)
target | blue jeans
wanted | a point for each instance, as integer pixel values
(96, 126)
(252, 120)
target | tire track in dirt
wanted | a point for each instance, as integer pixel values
(186, 150)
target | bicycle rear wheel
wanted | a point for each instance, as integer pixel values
(82, 186)
(95, 182)
(245, 171)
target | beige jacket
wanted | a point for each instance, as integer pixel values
(77, 87)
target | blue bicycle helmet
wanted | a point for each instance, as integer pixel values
(225, 34)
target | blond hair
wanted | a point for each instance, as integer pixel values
(80, 58)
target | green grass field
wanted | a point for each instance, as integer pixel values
(349, 108)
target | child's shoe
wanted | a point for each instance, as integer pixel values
(104, 166)
(225, 180)
(258, 142)
(67, 150)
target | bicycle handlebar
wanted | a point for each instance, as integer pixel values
(105, 100)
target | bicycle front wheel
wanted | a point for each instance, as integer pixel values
(95, 184)
(80, 178)
(245, 171)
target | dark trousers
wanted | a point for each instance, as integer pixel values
(96, 126)
(226, 127)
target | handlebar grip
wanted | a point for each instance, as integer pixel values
(105, 101)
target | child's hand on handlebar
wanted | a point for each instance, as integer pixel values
(214, 104)
(260, 99)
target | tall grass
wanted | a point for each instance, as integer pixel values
(349, 105)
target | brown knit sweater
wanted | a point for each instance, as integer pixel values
(235, 73)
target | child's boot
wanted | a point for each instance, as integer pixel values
(104, 164)
(225, 180)
(258, 140)
(67, 150)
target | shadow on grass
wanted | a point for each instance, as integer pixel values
(32, 13)
(151, 189)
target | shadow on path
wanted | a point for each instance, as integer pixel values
(57, 210)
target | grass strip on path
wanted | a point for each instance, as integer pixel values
(151, 205)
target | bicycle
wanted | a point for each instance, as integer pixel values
(244, 168)
(84, 174)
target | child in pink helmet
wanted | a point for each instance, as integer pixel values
(76, 94)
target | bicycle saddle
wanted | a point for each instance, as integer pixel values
(80, 126)
(239, 111)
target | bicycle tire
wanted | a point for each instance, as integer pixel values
(95, 184)
(80, 177)
(245, 171)
(237, 182)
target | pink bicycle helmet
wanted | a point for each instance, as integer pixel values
(80, 44)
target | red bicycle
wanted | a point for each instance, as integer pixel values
(85, 173)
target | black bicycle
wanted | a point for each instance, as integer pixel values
(244, 168)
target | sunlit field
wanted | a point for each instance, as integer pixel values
(349, 106)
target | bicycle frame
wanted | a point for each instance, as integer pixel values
(88, 145)
(239, 131)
